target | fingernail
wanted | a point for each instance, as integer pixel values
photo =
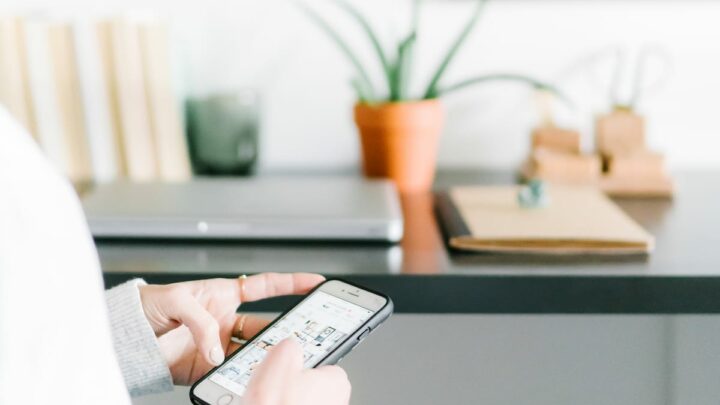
(216, 355)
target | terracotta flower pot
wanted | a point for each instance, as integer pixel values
(400, 140)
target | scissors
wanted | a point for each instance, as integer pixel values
(634, 73)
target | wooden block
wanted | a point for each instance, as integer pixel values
(644, 164)
(557, 139)
(565, 167)
(638, 187)
(620, 133)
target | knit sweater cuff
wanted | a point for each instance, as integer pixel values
(142, 364)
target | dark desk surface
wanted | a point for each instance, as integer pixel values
(422, 276)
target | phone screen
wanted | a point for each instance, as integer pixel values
(320, 323)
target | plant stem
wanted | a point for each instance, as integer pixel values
(360, 90)
(406, 52)
(506, 77)
(432, 89)
(402, 69)
(350, 9)
(363, 81)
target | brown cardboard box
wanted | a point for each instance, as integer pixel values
(639, 165)
(564, 167)
(557, 139)
(617, 186)
(620, 133)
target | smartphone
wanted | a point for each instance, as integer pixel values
(328, 323)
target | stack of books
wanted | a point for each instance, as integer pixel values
(97, 95)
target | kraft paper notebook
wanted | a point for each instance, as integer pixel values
(577, 220)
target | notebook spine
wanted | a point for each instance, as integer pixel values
(451, 221)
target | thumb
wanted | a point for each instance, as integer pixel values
(272, 375)
(203, 327)
(285, 356)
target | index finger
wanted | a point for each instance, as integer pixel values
(268, 285)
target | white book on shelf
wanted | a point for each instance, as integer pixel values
(138, 143)
(70, 103)
(43, 92)
(165, 116)
(101, 130)
(103, 29)
(14, 83)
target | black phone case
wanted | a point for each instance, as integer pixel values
(333, 357)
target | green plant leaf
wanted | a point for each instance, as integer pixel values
(393, 82)
(360, 90)
(402, 68)
(363, 80)
(507, 77)
(432, 89)
(406, 53)
(360, 18)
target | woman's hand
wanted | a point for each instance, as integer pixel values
(281, 380)
(195, 320)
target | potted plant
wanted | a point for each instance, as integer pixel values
(399, 131)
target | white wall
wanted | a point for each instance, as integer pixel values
(307, 118)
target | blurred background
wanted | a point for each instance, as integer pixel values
(263, 72)
(303, 80)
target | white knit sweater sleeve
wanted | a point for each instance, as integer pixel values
(141, 362)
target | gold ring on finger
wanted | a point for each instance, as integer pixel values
(237, 331)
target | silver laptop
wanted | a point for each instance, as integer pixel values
(287, 208)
